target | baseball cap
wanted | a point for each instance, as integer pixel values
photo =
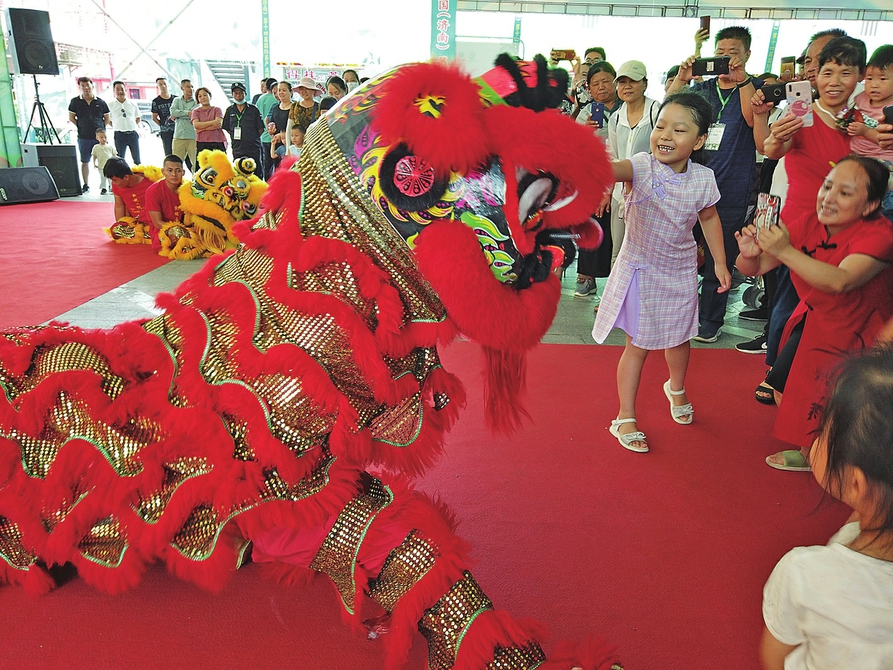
(634, 69)
(240, 86)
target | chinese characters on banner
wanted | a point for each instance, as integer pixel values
(265, 35)
(443, 30)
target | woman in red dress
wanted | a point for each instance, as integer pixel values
(840, 260)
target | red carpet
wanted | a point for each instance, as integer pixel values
(663, 553)
(55, 256)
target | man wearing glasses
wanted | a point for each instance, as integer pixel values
(125, 117)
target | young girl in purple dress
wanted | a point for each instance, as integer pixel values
(652, 293)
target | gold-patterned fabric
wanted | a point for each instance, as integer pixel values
(448, 620)
(402, 569)
(337, 557)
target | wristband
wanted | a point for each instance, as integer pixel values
(745, 83)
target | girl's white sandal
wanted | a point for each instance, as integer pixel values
(627, 441)
(678, 411)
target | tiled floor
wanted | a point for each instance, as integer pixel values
(573, 322)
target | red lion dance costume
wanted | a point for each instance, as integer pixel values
(250, 412)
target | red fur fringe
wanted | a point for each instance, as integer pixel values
(400, 118)
(595, 653)
(504, 386)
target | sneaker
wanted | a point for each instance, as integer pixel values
(585, 288)
(759, 314)
(755, 346)
(706, 336)
(103, 192)
(86, 188)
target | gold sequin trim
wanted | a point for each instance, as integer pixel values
(151, 507)
(69, 419)
(402, 569)
(11, 548)
(334, 204)
(338, 554)
(513, 658)
(445, 624)
(104, 543)
(47, 361)
(198, 536)
(400, 425)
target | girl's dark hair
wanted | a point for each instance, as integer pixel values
(335, 80)
(882, 58)
(601, 66)
(877, 174)
(701, 112)
(326, 103)
(858, 429)
(844, 51)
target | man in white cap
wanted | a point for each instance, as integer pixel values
(243, 123)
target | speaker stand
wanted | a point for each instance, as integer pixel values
(44, 131)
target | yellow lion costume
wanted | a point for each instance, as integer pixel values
(220, 194)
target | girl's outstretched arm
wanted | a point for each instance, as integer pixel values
(623, 170)
(712, 227)
(773, 652)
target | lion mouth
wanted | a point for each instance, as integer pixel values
(538, 192)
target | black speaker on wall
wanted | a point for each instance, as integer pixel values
(26, 184)
(31, 42)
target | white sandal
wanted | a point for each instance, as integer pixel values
(681, 410)
(626, 441)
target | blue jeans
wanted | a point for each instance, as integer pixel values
(712, 305)
(125, 139)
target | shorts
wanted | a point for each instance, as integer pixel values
(86, 148)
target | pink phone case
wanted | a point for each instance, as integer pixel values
(799, 96)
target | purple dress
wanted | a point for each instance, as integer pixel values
(652, 293)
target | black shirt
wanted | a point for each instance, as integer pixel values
(279, 116)
(162, 107)
(252, 128)
(89, 116)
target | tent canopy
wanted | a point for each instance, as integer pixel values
(856, 10)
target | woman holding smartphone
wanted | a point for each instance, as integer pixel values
(810, 151)
(596, 115)
(629, 133)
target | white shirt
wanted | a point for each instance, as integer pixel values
(123, 115)
(624, 141)
(835, 603)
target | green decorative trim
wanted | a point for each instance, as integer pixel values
(467, 626)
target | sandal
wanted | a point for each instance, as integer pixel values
(627, 440)
(794, 461)
(678, 411)
(764, 393)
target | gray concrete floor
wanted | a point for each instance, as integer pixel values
(572, 325)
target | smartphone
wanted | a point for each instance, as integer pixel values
(888, 114)
(597, 113)
(766, 212)
(705, 24)
(788, 66)
(707, 67)
(563, 54)
(774, 93)
(799, 97)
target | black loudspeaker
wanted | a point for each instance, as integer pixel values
(62, 162)
(31, 41)
(26, 184)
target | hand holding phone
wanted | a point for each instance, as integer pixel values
(705, 26)
(707, 67)
(799, 97)
(597, 113)
(774, 93)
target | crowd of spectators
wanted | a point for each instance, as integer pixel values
(265, 129)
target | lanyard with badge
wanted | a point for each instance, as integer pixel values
(237, 131)
(716, 130)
